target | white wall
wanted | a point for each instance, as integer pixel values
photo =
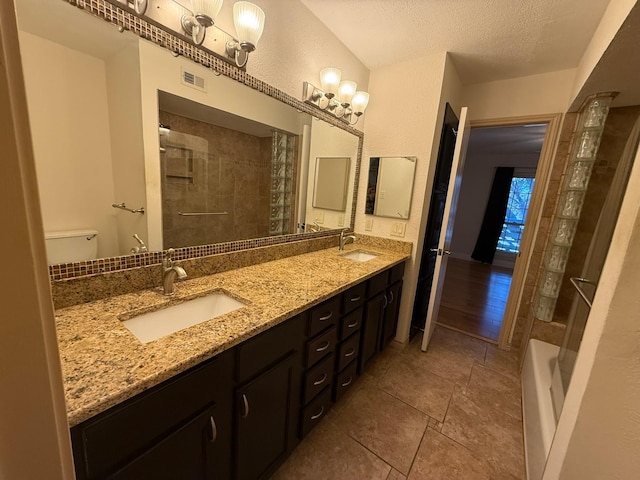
(125, 114)
(477, 180)
(69, 115)
(34, 434)
(407, 125)
(531, 95)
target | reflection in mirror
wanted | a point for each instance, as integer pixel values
(390, 186)
(331, 182)
(337, 149)
(94, 120)
(220, 183)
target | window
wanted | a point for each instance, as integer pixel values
(517, 206)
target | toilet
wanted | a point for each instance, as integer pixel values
(71, 246)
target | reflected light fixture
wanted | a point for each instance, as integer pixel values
(249, 22)
(204, 13)
(139, 6)
(338, 97)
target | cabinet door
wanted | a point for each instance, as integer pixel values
(371, 330)
(186, 453)
(391, 314)
(266, 410)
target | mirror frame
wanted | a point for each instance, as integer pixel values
(125, 18)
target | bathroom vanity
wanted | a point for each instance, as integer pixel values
(233, 396)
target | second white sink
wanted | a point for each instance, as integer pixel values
(153, 325)
(359, 256)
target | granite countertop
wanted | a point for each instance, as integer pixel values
(104, 364)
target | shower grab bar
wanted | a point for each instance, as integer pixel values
(196, 214)
(575, 281)
(123, 206)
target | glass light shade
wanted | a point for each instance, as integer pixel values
(206, 10)
(359, 102)
(249, 21)
(330, 79)
(345, 91)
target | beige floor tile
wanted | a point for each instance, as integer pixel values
(445, 338)
(441, 458)
(329, 454)
(379, 366)
(385, 425)
(502, 361)
(446, 363)
(396, 475)
(490, 433)
(420, 388)
(487, 387)
(435, 424)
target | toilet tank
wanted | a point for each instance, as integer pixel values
(71, 246)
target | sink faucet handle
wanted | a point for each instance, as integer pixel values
(167, 261)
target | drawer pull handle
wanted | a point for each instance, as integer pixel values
(245, 404)
(318, 415)
(326, 345)
(356, 299)
(354, 324)
(386, 302)
(214, 430)
(350, 352)
(348, 382)
(391, 299)
(321, 380)
(326, 317)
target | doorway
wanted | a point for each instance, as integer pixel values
(543, 132)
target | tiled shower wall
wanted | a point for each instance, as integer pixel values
(232, 176)
(619, 123)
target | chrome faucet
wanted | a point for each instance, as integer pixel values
(344, 239)
(141, 248)
(170, 272)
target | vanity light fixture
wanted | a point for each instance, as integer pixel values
(204, 13)
(249, 22)
(340, 98)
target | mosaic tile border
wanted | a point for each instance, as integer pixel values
(124, 17)
(113, 264)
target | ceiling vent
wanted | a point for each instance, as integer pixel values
(192, 80)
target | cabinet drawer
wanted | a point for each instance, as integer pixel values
(321, 346)
(354, 297)
(262, 351)
(377, 284)
(350, 323)
(318, 378)
(141, 422)
(396, 273)
(314, 412)
(345, 380)
(324, 315)
(348, 351)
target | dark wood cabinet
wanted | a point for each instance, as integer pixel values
(264, 414)
(241, 414)
(186, 409)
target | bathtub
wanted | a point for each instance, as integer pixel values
(537, 408)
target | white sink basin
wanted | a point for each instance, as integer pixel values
(359, 256)
(153, 325)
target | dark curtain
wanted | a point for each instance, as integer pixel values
(493, 219)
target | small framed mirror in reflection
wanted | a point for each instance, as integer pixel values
(331, 182)
(390, 186)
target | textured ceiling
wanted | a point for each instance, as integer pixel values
(518, 140)
(488, 39)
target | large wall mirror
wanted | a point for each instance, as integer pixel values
(232, 164)
(390, 186)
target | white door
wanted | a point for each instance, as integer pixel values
(446, 232)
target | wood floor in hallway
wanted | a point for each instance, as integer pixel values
(474, 298)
